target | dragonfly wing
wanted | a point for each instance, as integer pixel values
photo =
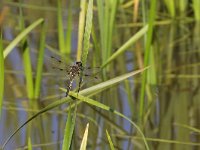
(57, 63)
(90, 78)
(91, 70)
(59, 68)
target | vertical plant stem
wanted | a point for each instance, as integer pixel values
(69, 29)
(196, 8)
(28, 72)
(81, 29)
(61, 37)
(40, 62)
(146, 58)
(87, 32)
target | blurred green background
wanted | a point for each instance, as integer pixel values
(119, 36)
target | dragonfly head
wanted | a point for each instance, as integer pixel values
(78, 63)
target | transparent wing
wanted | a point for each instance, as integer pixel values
(91, 70)
(59, 65)
(59, 68)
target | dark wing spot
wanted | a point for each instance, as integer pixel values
(56, 59)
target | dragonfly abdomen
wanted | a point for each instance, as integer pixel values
(70, 81)
(69, 86)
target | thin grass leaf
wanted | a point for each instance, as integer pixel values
(106, 17)
(170, 4)
(47, 108)
(152, 76)
(104, 85)
(84, 140)
(61, 37)
(102, 22)
(146, 57)
(1, 74)
(27, 68)
(112, 8)
(10, 47)
(70, 125)
(163, 141)
(110, 141)
(69, 29)
(107, 108)
(67, 136)
(188, 127)
(40, 62)
(182, 5)
(81, 28)
(196, 8)
(28, 72)
(29, 143)
(105, 30)
(73, 121)
(88, 29)
(126, 45)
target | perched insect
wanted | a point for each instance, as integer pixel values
(72, 72)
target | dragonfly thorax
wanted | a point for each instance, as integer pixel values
(75, 69)
(79, 64)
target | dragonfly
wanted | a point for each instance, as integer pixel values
(72, 72)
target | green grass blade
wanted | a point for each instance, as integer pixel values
(40, 62)
(69, 29)
(10, 47)
(126, 45)
(88, 29)
(182, 5)
(101, 21)
(29, 143)
(188, 127)
(1, 74)
(84, 141)
(107, 108)
(106, 19)
(111, 23)
(170, 4)
(69, 129)
(110, 141)
(81, 28)
(152, 76)
(67, 136)
(73, 121)
(152, 14)
(104, 85)
(61, 37)
(196, 8)
(28, 72)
